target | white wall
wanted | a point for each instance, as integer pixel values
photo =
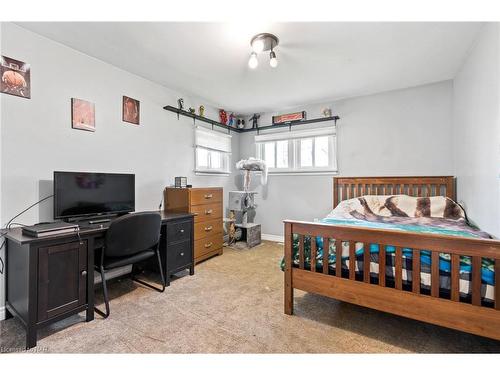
(477, 131)
(404, 132)
(37, 138)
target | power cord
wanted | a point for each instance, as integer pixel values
(10, 223)
(26, 209)
(3, 232)
(161, 204)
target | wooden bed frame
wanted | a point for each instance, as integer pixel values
(448, 311)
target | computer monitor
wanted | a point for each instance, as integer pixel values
(80, 194)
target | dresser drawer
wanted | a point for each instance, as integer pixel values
(205, 196)
(179, 255)
(207, 212)
(207, 228)
(179, 231)
(206, 245)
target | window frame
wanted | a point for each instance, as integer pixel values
(294, 153)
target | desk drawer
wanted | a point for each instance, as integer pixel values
(205, 196)
(179, 231)
(206, 245)
(179, 255)
(207, 212)
(207, 228)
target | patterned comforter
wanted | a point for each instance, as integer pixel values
(436, 215)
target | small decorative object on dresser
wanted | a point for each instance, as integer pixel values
(289, 117)
(327, 112)
(192, 110)
(201, 110)
(181, 182)
(206, 204)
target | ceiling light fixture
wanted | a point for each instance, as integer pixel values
(260, 43)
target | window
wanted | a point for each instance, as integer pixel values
(212, 151)
(275, 154)
(282, 154)
(304, 151)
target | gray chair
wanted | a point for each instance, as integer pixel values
(130, 239)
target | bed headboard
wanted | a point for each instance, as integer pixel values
(416, 186)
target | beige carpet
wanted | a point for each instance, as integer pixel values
(234, 304)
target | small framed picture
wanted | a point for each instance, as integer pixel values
(180, 182)
(82, 115)
(15, 77)
(289, 117)
(131, 110)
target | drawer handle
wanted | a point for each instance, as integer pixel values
(181, 231)
(182, 254)
(208, 196)
(207, 245)
(208, 229)
(208, 212)
(84, 273)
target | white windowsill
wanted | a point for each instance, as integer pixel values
(212, 173)
(304, 173)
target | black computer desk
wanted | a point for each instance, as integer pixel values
(51, 278)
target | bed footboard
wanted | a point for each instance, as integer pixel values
(449, 311)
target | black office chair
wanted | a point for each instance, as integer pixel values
(130, 239)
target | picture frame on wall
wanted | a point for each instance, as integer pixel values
(82, 115)
(131, 110)
(15, 77)
(289, 117)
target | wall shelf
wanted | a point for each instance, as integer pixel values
(260, 128)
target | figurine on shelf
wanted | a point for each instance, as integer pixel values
(327, 112)
(223, 117)
(180, 103)
(241, 123)
(254, 120)
(231, 120)
(201, 111)
(192, 110)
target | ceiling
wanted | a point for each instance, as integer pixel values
(318, 62)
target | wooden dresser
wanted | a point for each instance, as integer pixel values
(206, 204)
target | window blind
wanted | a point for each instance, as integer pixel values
(294, 134)
(212, 140)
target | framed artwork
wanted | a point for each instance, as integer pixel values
(131, 110)
(289, 117)
(15, 77)
(82, 115)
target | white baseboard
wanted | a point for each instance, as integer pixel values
(272, 237)
(2, 313)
